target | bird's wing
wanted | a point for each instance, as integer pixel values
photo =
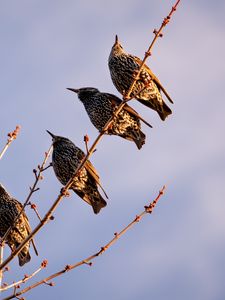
(94, 174)
(155, 79)
(116, 101)
(27, 225)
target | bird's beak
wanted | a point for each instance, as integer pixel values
(116, 40)
(51, 134)
(73, 90)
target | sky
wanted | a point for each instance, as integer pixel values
(179, 251)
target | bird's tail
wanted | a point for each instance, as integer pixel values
(24, 256)
(162, 108)
(98, 203)
(164, 112)
(140, 139)
(93, 198)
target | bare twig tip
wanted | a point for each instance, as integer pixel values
(86, 138)
(51, 283)
(33, 205)
(44, 263)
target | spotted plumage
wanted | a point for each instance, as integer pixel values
(123, 68)
(9, 209)
(65, 159)
(100, 107)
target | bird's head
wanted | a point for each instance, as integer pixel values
(1, 187)
(117, 47)
(84, 93)
(2, 190)
(56, 139)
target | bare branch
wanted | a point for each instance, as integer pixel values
(34, 207)
(86, 140)
(33, 189)
(25, 278)
(158, 33)
(87, 261)
(64, 191)
(12, 136)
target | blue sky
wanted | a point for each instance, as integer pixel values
(176, 253)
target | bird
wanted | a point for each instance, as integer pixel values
(66, 157)
(10, 208)
(123, 69)
(100, 108)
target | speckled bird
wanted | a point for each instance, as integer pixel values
(9, 210)
(100, 107)
(65, 159)
(123, 67)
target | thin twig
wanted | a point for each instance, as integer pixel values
(158, 33)
(26, 278)
(34, 207)
(12, 136)
(86, 140)
(63, 192)
(33, 189)
(87, 261)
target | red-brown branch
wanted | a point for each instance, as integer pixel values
(11, 137)
(62, 194)
(88, 261)
(33, 189)
(158, 33)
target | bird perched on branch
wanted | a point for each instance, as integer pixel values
(66, 157)
(9, 210)
(123, 69)
(100, 108)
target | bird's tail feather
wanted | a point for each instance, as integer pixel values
(163, 110)
(140, 140)
(24, 256)
(166, 111)
(94, 199)
(98, 204)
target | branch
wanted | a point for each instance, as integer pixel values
(158, 33)
(87, 261)
(63, 192)
(33, 189)
(12, 136)
(26, 278)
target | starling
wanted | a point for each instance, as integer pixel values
(123, 67)
(100, 108)
(65, 159)
(9, 210)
